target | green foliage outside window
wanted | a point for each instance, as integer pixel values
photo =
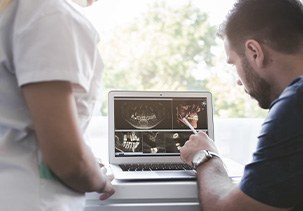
(171, 48)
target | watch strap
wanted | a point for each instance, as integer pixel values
(212, 154)
(208, 155)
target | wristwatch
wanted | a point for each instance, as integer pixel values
(202, 156)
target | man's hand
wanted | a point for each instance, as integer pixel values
(196, 142)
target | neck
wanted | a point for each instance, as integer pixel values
(283, 70)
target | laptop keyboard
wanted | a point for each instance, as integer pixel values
(155, 167)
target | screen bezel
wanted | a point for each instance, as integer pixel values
(152, 94)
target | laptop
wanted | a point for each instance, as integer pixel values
(146, 131)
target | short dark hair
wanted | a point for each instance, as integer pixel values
(277, 23)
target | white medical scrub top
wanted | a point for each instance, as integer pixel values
(41, 40)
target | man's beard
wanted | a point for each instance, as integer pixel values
(257, 87)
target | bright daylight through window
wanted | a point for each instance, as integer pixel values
(172, 45)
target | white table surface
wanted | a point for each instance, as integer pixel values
(145, 196)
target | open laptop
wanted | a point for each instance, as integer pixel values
(146, 132)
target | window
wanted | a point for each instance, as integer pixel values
(172, 45)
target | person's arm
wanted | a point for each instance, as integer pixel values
(216, 190)
(53, 112)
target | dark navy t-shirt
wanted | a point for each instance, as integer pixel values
(275, 175)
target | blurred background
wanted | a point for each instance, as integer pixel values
(172, 45)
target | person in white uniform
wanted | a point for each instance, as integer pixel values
(50, 72)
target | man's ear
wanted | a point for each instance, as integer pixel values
(254, 53)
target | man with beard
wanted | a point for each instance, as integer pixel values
(264, 41)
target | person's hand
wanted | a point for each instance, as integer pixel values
(196, 142)
(108, 189)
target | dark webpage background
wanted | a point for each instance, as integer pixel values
(151, 126)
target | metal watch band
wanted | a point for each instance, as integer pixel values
(208, 155)
(213, 154)
(218, 156)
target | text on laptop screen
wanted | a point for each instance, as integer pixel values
(155, 126)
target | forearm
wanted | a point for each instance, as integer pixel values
(67, 155)
(217, 192)
(59, 137)
(214, 185)
(83, 175)
(74, 163)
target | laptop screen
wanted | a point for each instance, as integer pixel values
(154, 126)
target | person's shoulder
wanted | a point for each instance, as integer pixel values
(28, 12)
(291, 98)
(37, 9)
(293, 89)
(39, 13)
(297, 82)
